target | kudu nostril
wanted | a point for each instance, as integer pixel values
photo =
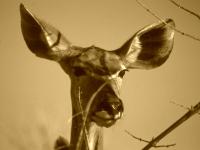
(113, 107)
(117, 106)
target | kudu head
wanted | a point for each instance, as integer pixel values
(91, 67)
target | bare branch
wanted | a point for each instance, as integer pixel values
(182, 106)
(188, 35)
(137, 138)
(85, 115)
(185, 9)
(160, 19)
(83, 131)
(142, 140)
(150, 11)
(185, 117)
(74, 116)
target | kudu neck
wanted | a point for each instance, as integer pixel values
(85, 135)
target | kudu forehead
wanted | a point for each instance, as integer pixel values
(98, 61)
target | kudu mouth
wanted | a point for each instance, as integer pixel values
(107, 111)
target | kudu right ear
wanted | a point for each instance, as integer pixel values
(44, 40)
(149, 47)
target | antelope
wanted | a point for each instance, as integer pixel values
(96, 74)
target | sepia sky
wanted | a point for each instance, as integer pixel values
(35, 105)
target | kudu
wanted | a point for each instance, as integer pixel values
(96, 74)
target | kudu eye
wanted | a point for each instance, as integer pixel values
(122, 73)
(78, 71)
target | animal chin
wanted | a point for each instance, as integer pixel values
(104, 119)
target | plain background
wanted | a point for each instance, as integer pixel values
(35, 105)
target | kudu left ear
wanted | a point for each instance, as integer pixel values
(149, 47)
(43, 39)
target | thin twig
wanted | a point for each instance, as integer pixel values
(180, 121)
(185, 9)
(146, 141)
(74, 116)
(87, 112)
(160, 19)
(150, 11)
(182, 106)
(83, 127)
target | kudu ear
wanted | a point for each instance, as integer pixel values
(42, 39)
(150, 47)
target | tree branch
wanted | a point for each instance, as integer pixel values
(182, 106)
(160, 19)
(85, 116)
(140, 139)
(190, 113)
(185, 9)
